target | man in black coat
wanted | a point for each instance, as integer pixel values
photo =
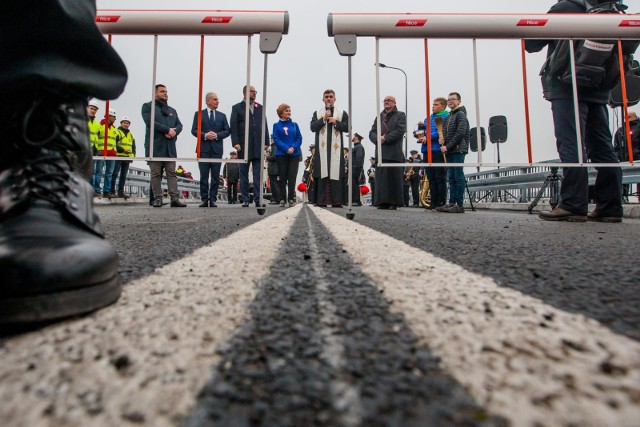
(256, 144)
(214, 129)
(166, 129)
(393, 126)
(594, 122)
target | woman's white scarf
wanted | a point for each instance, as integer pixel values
(336, 143)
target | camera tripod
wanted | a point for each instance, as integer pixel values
(552, 181)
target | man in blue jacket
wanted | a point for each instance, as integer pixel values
(437, 176)
(214, 129)
(166, 128)
(257, 142)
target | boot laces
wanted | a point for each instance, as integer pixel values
(46, 177)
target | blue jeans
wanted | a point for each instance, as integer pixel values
(456, 179)
(100, 167)
(209, 192)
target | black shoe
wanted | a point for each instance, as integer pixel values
(204, 204)
(229, 202)
(213, 205)
(177, 204)
(245, 205)
(54, 261)
(157, 203)
(393, 207)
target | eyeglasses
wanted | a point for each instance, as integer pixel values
(452, 99)
(389, 100)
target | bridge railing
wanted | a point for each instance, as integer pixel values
(521, 184)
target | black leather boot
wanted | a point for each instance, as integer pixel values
(54, 261)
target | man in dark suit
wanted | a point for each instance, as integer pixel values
(254, 146)
(214, 129)
(166, 128)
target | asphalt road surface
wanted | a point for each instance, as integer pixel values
(304, 318)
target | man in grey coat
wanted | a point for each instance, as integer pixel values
(166, 128)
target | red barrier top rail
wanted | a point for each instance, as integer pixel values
(191, 22)
(484, 26)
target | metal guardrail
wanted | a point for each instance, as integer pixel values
(521, 184)
(139, 180)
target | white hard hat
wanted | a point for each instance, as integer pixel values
(93, 102)
(112, 113)
(125, 119)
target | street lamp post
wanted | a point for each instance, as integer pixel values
(406, 102)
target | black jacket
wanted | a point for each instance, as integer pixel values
(358, 156)
(620, 141)
(456, 131)
(556, 89)
(237, 123)
(397, 127)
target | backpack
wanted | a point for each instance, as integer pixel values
(596, 61)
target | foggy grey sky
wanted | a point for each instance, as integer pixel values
(308, 62)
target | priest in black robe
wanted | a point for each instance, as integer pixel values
(329, 123)
(393, 125)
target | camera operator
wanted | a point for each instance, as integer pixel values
(594, 124)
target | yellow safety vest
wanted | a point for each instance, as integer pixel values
(126, 142)
(94, 129)
(112, 137)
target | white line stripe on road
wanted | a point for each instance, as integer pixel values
(517, 356)
(144, 359)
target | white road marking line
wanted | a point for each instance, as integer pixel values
(516, 355)
(345, 397)
(163, 334)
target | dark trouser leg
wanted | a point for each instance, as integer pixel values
(114, 175)
(244, 181)
(205, 169)
(234, 191)
(405, 194)
(292, 174)
(373, 192)
(275, 188)
(355, 190)
(415, 190)
(608, 186)
(283, 174)
(215, 181)
(255, 166)
(124, 170)
(594, 127)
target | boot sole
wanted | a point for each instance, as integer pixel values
(45, 307)
(565, 218)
